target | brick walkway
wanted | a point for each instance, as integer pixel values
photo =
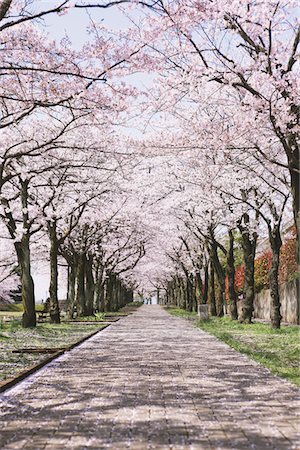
(151, 381)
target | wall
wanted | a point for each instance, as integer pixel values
(289, 299)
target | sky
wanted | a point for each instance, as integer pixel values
(76, 21)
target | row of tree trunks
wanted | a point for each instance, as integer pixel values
(116, 295)
(89, 292)
(196, 292)
(188, 296)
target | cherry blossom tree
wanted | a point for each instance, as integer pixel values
(247, 48)
(45, 88)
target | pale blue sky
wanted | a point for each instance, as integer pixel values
(74, 23)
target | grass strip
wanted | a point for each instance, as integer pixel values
(14, 337)
(278, 350)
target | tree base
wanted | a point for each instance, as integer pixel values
(55, 318)
(28, 321)
(275, 323)
(247, 321)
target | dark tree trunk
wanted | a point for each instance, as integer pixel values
(177, 293)
(249, 250)
(53, 288)
(276, 243)
(90, 286)
(189, 294)
(199, 289)
(206, 281)
(72, 269)
(231, 276)
(99, 290)
(23, 253)
(123, 295)
(212, 294)
(180, 291)
(108, 293)
(104, 302)
(28, 300)
(220, 278)
(158, 296)
(193, 293)
(102, 296)
(4, 7)
(113, 292)
(293, 159)
(80, 294)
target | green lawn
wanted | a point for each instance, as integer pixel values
(11, 311)
(134, 304)
(181, 313)
(278, 350)
(45, 335)
(15, 310)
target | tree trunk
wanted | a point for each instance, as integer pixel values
(231, 276)
(101, 297)
(180, 294)
(23, 253)
(80, 294)
(206, 286)
(220, 278)
(249, 250)
(108, 293)
(199, 289)
(28, 300)
(4, 7)
(193, 293)
(71, 290)
(212, 295)
(120, 292)
(53, 288)
(276, 243)
(90, 286)
(115, 293)
(293, 159)
(99, 289)
(189, 294)
(158, 296)
(112, 292)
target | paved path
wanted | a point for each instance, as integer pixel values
(151, 381)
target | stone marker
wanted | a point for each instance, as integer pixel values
(203, 312)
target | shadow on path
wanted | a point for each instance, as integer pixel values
(151, 381)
